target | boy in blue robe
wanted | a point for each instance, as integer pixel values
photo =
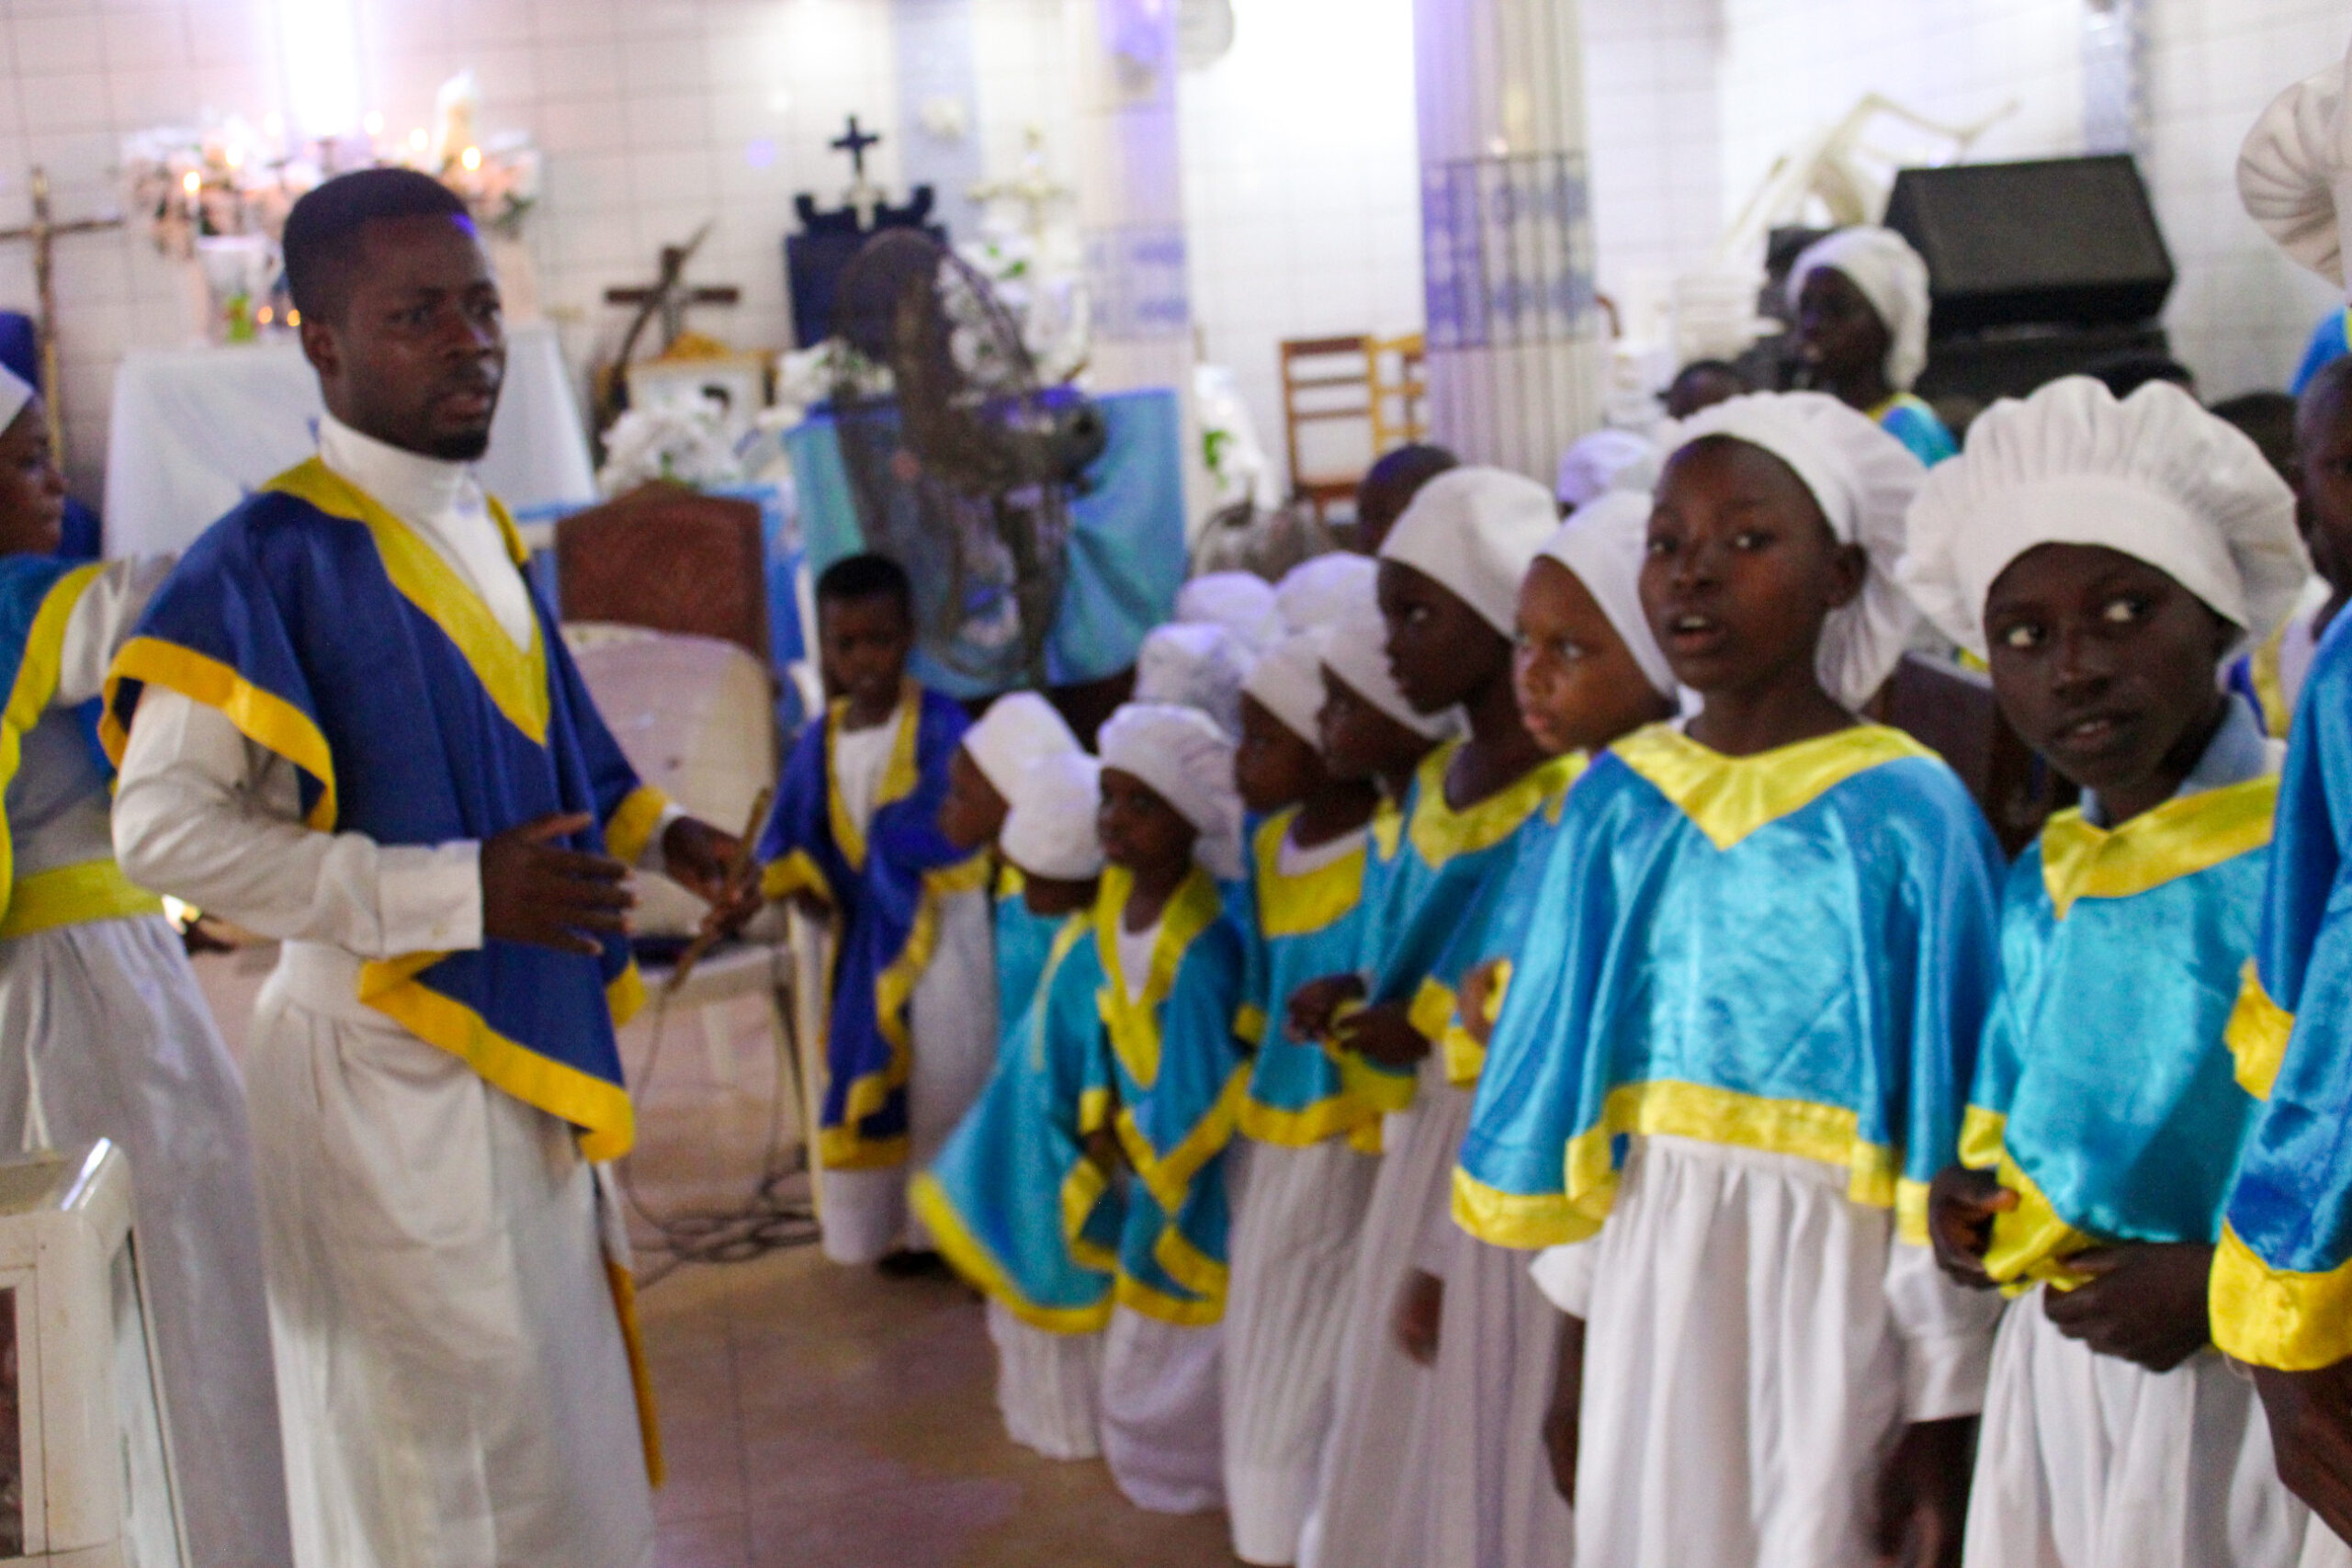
(1861, 316)
(855, 831)
(1737, 1036)
(2105, 557)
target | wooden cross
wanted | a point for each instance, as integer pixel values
(44, 234)
(855, 142)
(668, 296)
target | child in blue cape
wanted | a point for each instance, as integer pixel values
(1737, 1037)
(1861, 315)
(1019, 729)
(2105, 557)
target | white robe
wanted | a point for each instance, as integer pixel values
(1048, 1386)
(104, 1034)
(2087, 1460)
(1162, 1435)
(451, 1372)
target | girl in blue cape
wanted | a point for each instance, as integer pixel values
(1862, 303)
(2105, 557)
(1016, 1202)
(1173, 978)
(1737, 1036)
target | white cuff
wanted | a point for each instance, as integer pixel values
(428, 897)
(1945, 1376)
(1565, 1275)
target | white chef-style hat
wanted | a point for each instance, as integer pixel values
(1602, 461)
(2153, 476)
(1195, 665)
(2295, 172)
(1289, 681)
(1864, 481)
(1018, 729)
(1357, 653)
(1317, 592)
(1604, 542)
(15, 393)
(1188, 761)
(1475, 532)
(1050, 832)
(1241, 602)
(1892, 276)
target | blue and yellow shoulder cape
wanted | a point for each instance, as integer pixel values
(1791, 952)
(1298, 928)
(887, 882)
(1910, 421)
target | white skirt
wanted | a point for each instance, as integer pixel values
(1161, 1435)
(2323, 1547)
(1295, 1239)
(2089, 1462)
(104, 1034)
(1048, 1386)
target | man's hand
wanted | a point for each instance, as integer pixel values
(2145, 1303)
(1383, 1034)
(1314, 1006)
(700, 858)
(534, 892)
(1563, 1420)
(1420, 1315)
(1961, 1206)
(1923, 1495)
(2311, 1432)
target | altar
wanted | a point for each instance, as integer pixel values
(195, 430)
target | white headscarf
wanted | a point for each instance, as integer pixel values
(1317, 592)
(1602, 461)
(1864, 481)
(1357, 653)
(1892, 276)
(1475, 532)
(1050, 832)
(2153, 476)
(1289, 681)
(1195, 665)
(1188, 763)
(1241, 602)
(1604, 542)
(1018, 729)
(15, 393)
(2295, 172)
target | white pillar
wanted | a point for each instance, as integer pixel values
(1517, 355)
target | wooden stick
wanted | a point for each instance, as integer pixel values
(711, 936)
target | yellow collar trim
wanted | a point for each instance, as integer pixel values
(1310, 901)
(1134, 1021)
(898, 778)
(37, 675)
(1387, 828)
(1440, 833)
(2192, 833)
(1730, 797)
(515, 679)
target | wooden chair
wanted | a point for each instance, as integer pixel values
(668, 559)
(1401, 392)
(1950, 711)
(1329, 381)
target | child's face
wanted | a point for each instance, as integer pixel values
(2323, 488)
(1272, 767)
(1579, 687)
(1359, 740)
(2104, 665)
(1441, 651)
(862, 648)
(1742, 569)
(1139, 830)
(1838, 333)
(1050, 898)
(973, 813)
(32, 491)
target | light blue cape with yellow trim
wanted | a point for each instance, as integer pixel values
(333, 634)
(1297, 929)
(1791, 952)
(1910, 421)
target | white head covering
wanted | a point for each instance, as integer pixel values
(1605, 460)
(2295, 172)
(1018, 729)
(1241, 602)
(1193, 665)
(15, 393)
(1188, 761)
(1604, 543)
(1864, 481)
(1317, 592)
(1357, 653)
(1049, 831)
(1892, 277)
(1289, 681)
(1475, 532)
(2153, 476)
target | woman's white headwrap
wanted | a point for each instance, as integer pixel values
(1602, 461)
(1318, 592)
(1018, 729)
(2295, 171)
(1289, 681)
(1050, 832)
(15, 393)
(2153, 476)
(1604, 542)
(1241, 602)
(1892, 277)
(1864, 481)
(1188, 763)
(1475, 532)
(1195, 665)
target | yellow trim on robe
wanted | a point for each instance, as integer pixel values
(263, 717)
(1299, 903)
(1133, 1023)
(1440, 832)
(1981, 1136)
(1082, 1190)
(2033, 1240)
(2181, 837)
(2257, 1034)
(1249, 1023)
(28, 695)
(623, 1284)
(1304, 1129)
(797, 872)
(899, 775)
(968, 1257)
(1387, 828)
(1189, 1266)
(1730, 797)
(516, 678)
(2269, 671)
(1376, 1088)
(74, 896)
(1463, 1057)
(1431, 1010)
(1525, 1222)
(1137, 1296)
(630, 832)
(1169, 1177)
(2276, 1317)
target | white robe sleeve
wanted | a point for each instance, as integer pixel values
(1947, 1334)
(101, 624)
(206, 816)
(1565, 1275)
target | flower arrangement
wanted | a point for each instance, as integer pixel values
(680, 443)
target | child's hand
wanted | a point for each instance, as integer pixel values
(702, 859)
(2311, 1432)
(1562, 1421)
(1961, 1206)
(2145, 1303)
(1314, 1005)
(1383, 1034)
(1475, 1009)
(1923, 1495)
(1420, 1313)
(537, 892)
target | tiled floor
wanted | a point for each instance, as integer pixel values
(813, 1416)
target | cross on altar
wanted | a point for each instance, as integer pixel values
(668, 296)
(863, 196)
(42, 233)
